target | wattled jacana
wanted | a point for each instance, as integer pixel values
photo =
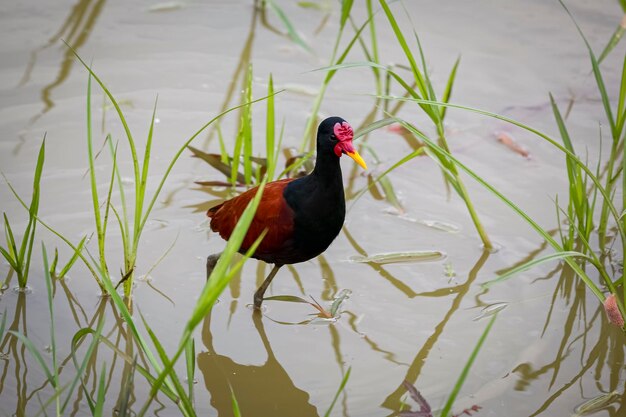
(302, 216)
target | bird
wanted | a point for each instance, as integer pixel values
(302, 216)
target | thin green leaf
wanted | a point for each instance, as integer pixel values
(597, 74)
(80, 369)
(38, 358)
(621, 112)
(9, 259)
(48, 279)
(459, 383)
(405, 47)
(10, 238)
(346, 7)
(234, 403)
(3, 324)
(447, 92)
(93, 182)
(577, 269)
(100, 393)
(146, 167)
(291, 31)
(184, 398)
(532, 263)
(270, 130)
(26, 249)
(120, 114)
(614, 40)
(190, 364)
(73, 259)
(246, 130)
(344, 381)
(543, 136)
(287, 298)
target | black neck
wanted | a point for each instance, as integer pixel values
(327, 167)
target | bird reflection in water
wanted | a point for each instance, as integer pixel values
(261, 390)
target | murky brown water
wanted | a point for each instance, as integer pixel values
(549, 350)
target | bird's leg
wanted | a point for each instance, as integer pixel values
(258, 295)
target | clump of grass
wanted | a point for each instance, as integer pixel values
(19, 259)
(131, 223)
(255, 168)
(420, 88)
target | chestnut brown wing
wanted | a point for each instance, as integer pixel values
(273, 214)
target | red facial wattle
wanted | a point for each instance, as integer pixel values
(344, 134)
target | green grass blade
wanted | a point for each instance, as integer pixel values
(132, 327)
(614, 40)
(26, 249)
(217, 281)
(120, 114)
(246, 129)
(9, 259)
(577, 269)
(10, 238)
(308, 130)
(270, 130)
(457, 387)
(121, 354)
(101, 393)
(373, 126)
(185, 401)
(596, 72)
(447, 92)
(346, 7)
(190, 365)
(89, 266)
(291, 31)
(182, 149)
(405, 48)
(536, 132)
(344, 381)
(532, 263)
(93, 182)
(48, 279)
(38, 358)
(3, 324)
(73, 259)
(402, 161)
(577, 187)
(80, 369)
(145, 169)
(234, 403)
(124, 225)
(621, 112)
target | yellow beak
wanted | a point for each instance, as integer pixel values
(357, 158)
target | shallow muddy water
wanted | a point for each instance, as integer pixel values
(550, 349)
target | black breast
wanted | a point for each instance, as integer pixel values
(319, 212)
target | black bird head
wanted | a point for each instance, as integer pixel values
(335, 135)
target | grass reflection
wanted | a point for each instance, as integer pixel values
(265, 389)
(75, 30)
(394, 400)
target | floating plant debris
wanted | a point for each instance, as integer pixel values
(509, 142)
(400, 257)
(166, 7)
(596, 404)
(490, 310)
